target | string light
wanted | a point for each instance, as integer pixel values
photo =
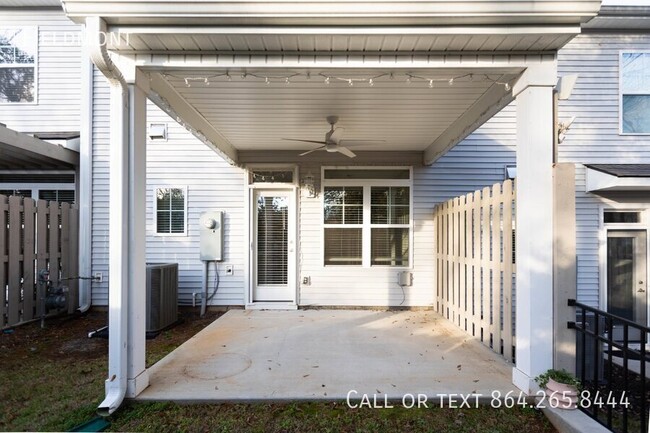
(350, 81)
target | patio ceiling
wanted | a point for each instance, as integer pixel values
(408, 116)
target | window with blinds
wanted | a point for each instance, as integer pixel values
(60, 195)
(389, 232)
(27, 193)
(18, 46)
(343, 217)
(272, 240)
(170, 210)
(366, 218)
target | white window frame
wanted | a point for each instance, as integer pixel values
(20, 65)
(366, 226)
(155, 210)
(620, 92)
(642, 225)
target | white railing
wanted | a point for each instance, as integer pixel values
(474, 249)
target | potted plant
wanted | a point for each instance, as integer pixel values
(561, 387)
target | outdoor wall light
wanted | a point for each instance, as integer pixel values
(308, 184)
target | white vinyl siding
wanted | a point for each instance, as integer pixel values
(57, 107)
(211, 183)
(595, 136)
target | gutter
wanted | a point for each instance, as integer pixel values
(116, 383)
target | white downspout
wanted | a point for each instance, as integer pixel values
(85, 181)
(116, 383)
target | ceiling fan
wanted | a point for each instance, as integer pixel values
(334, 140)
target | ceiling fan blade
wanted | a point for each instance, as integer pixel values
(313, 150)
(304, 141)
(337, 135)
(345, 151)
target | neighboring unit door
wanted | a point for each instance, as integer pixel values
(627, 294)
(273, 246)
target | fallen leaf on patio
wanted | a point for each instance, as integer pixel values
(305, 375)
(314, 366)
(459, 367)
(378, 391)
(394, 386)
(476, 380)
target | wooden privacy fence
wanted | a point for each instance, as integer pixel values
(35, 235)
(475, 264)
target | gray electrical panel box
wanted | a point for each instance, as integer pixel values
(211, 226)
(405, 279)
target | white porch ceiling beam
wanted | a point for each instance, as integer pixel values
(493, 101)
(170, 101)
(492, 62)
(346, 30)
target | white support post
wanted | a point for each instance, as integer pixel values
(534, 242)
(137, 377)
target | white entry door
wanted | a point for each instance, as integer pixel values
(274, 274)
(627, 294)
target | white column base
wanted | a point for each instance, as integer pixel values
(524, 382)
(138, 384)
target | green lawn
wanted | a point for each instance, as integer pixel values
(53, 379)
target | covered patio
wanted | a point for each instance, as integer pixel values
(250, 355)
(243, 77)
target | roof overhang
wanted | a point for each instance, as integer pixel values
(322, 12)
(20, 151)
(188, 48)
(617, 177)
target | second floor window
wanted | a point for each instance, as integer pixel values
(635, 93)
(18, 46)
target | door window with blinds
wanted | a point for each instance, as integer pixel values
(367, 217)
(170, 210)
(272, 240)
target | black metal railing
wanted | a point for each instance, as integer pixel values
(611, 360)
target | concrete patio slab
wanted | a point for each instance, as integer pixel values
(323, 354)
